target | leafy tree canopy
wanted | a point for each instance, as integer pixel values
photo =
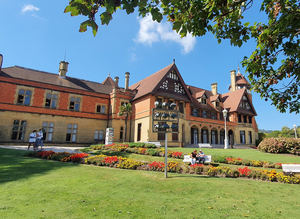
(273, 66)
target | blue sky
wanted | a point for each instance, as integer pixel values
(37, 34)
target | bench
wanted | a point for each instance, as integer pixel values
(157, 143)
(204, 145)
(291, 168)
(188, 159)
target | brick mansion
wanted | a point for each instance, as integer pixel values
(72, 110)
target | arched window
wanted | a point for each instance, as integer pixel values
(214, 137)
(222, 136)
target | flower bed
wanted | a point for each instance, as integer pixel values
(60, 156)
(176, 167)
(245, 162)
(138, 148)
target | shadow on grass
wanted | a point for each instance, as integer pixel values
(15, 165)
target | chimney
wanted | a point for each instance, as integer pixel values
(232, 78)
(63, 68)
(127, 80)
(214, 88)
(1, 60)
(116, 81)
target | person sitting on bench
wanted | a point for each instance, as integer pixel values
(194, 157)
(200, 157)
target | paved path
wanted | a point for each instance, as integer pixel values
(47, 148)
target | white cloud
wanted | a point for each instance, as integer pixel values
(29, 8)
(151, 31)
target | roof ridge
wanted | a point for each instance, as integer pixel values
(135, 84)
(54, 74)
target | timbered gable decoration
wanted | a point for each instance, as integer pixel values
(245, 104)
(172, 83)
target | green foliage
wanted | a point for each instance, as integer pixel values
(273, 67)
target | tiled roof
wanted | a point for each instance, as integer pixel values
(232, 100)
(240, 79)
(109, 81)
(54, 79)
(148, 84)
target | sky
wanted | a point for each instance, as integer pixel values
(37, 34)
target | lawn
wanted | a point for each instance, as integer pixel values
(35, 188)
(250, 154)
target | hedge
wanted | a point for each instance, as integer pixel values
(280, 145)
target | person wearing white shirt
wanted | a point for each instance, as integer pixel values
(32, 139)
(39, 137)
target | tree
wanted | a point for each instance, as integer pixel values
(125, 110)
(273, 67)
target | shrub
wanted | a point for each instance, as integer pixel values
(153, 152)
(219, 159)
(280, 145)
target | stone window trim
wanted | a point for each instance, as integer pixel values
(72, 132)
(18, 130)
(99, 135)
(48, 129)
(25, 88)
(74, 98)
(57, 99)
(101, 108)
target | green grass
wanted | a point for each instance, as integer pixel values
(35, 188)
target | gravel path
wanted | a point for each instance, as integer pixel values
(47, 148)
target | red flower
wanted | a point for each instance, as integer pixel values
(156, 165)
(78, 157)
(110, 160)
(177, 154)
(196, 165)
(45, 154)
(244, 171)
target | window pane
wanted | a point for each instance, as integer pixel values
(96, 135)
(50, 130)
(49, 137)
(27, 100)
(68, 137)
(98, 110)
(22, 92)
(45, 124)
(69, 126)
(101, 135)
(75, 126)
(76, 107)
(28, 93)
(73, 138)
(53, 104)
(51, 124)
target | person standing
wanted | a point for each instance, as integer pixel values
(32, 139)
(40, 136)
